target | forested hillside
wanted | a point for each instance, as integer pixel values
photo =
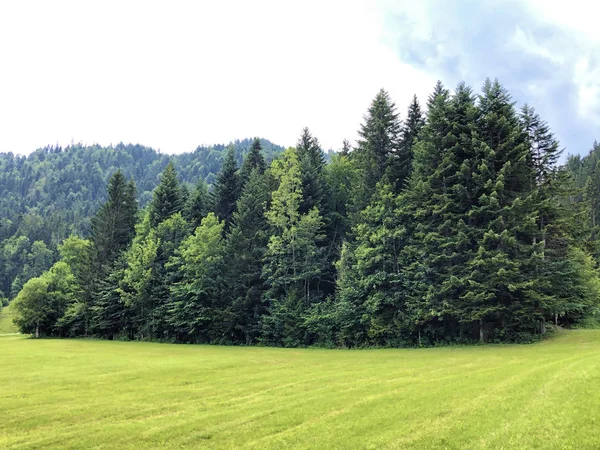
(450, 223)
(53, 193)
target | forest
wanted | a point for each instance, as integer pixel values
(456, 222)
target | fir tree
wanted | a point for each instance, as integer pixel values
(498, 274)
(226, 189)
(254, 160)
(198, 205)
(166, 198)
(245, 248)
(379, 141)
(293, 260)
(195, 305)
(113, 224)
(312, 162)
(410, 131)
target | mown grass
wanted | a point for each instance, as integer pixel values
(100, 394)
(6, 321)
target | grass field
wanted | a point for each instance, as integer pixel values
(84, 394)
(6, 321)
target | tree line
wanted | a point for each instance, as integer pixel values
(53, 193)
(454, 225)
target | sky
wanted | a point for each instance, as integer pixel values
(176, 74)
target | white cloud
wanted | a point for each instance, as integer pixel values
(526, 42)
(173, 75)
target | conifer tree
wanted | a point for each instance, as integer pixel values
(498, 274)
(195, 305)
(441, 200)
(373, 283)
(226, 189)
(166, 198)
(254, 160)
(380, 133)
(346, 148)
(312, 162)
(293, 260)
(245, 248)
(198, 205)
(113, 224)
(410, 131)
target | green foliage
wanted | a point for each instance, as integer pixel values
(455, 227)
(254, 160)
(293, 259)
(194, 312)
(166, 198)
(245, 249)
(226, 189)
(44, 300)
(198, 204)
(113, 225)
(380, 138)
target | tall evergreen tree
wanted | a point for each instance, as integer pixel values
(440, 198)
(499, 287)
(293, 260)
(113, 224)
(196, 303)
(198, 205)
(226, 189)
(312, 162)
(346, 148)
(245, 248)
(254, 160)
(410, 131)
(378, 145)
(166, 198)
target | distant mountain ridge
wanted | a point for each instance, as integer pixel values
(70, 183)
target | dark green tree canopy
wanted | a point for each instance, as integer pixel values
(226, 189)
(254, 160)
(456, 226)
(166, 198)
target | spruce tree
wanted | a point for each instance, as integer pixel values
(254, 160)
(195, 296)
(245, 248)
(410, 131)
(226, 189)
(113, 224)
(346, 148)
(379, 141)
(499, 288)
(373, 283)
(293, 259)
(198, 204)
(312, 162)
(166, 198)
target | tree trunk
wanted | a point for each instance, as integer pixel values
(543, 326)
(481, 340)
(556, 319)
(37, 329)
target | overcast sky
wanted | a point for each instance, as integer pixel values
(177, 74)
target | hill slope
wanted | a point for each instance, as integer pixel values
(54, 192)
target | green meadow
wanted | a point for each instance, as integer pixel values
(6, 321)
(103, 394)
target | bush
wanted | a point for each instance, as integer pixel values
(590, 322)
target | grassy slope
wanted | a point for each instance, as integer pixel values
(80, 394)
(6, 321)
